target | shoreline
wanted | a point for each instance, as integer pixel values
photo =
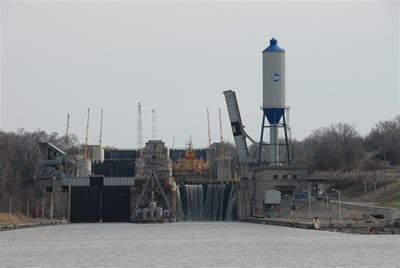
(39, 223)
(348, 228)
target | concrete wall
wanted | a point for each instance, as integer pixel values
(288, 179)
(245, 192)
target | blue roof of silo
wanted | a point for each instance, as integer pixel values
(273, 46)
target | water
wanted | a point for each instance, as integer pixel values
(207, 202)
(193, 244)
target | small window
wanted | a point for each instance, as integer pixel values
(155, 146)
(294, 176)
(65, 189)
(49, 189)
(153, 157)
(284, 176)
(275, 176)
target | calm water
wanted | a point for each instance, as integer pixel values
(194, 243)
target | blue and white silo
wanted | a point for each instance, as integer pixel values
(274, 101)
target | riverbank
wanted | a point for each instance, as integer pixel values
(377, 227)
(17, 221)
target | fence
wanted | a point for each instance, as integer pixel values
(14, 209)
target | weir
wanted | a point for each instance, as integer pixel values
(207, 202)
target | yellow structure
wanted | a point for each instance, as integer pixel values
(190, 167)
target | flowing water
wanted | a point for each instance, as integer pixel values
(208, 202)
(193, 244)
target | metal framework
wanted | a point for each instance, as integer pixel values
(239, 134)
(152, 183)
(51, 167)
(286, 144)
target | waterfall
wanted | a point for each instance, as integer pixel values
(231, 205)
(179, 211)
(212, 202)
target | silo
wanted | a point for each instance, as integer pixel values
(98, 154)
(85, 163)
(273, 93)
(274, 81)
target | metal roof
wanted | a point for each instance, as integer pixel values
(273, 46)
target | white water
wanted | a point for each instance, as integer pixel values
(206, 202)
(193, 244)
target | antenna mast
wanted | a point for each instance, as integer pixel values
(221, 151)
(85, 154)
(209, 132)
(153, 136)
(101, 127)
(220, 125)
(67, 130)
(139, 136)
(66, 141)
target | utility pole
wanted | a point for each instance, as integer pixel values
(309, 203)
(365, 188)
(327, 207)
(101, 127)
(384, 185)
(340, 205)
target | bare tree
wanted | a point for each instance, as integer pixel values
(384, 140)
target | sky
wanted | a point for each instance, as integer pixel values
(342, 65)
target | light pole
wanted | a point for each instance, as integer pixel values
(309, 203)
(340, 209)
(291, 204)
(327, 206)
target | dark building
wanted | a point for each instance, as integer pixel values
(117, 163)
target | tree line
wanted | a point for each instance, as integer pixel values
(337, 147)
(340, 147)
(19, 155)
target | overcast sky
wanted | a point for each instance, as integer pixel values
(342, 63)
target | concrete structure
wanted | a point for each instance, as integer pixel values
(289, 180)
(156, 158)
(224, 172)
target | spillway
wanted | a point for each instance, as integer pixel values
(207, 202)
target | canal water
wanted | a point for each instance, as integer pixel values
(193, 244)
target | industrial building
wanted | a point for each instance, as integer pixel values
(268, 172)
(105, 184)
